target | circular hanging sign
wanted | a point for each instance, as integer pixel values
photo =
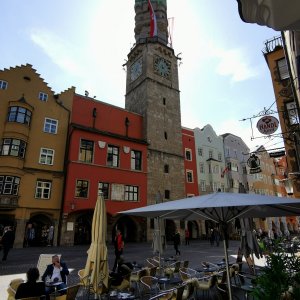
(267, 125)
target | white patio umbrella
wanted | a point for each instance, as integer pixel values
(221, 208)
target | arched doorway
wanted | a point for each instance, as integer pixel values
(39, 224)
(83, 228)
(170, 230)
(128, 229)
(193, 229)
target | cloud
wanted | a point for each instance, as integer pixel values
(59, 51)
(233, 63)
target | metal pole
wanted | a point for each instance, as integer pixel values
(225, 241)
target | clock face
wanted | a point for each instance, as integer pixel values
(136, 69)
(162, 67)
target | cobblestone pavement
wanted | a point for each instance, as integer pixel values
(20, 260)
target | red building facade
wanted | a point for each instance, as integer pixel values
(190, 164)
(107, 153)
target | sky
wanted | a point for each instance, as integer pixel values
(223, 77)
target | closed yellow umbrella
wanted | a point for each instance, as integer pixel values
(96, 268)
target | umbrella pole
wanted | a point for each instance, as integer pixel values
(227, 268)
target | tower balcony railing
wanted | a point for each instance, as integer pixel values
(154, 39)
(272, 44)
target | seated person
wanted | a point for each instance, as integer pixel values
(56, 272)
(31, 288)
(124, 269)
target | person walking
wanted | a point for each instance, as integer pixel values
(217, 236)
(50, 236)
(7, 241)
(187, 237)
(177, 242)
(212, 237)
(119, 246)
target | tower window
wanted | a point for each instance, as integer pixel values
(166, 168)
(164, 101)
(166, 135)
(167, 194)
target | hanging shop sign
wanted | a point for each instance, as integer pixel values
(253, 163)
(267, 125)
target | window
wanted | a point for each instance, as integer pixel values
(164, 101)
(201, 168)
(9, 185)
(216, 170)
(215, 186)
(220, 156)
(43, 96)
(43, 189)
(189, 176)
(200, 151)
(292, 113)
(3, 85)
(112, 156)
(13, 147)
(19, 114)
(131, 193)
(203, 185)
(86, 151)
(235, 153)
(136, 160)
(244, 170)
(227, 151)
(104, 188)
(82, 187)
(210, 154)
(167, 194)
(50, 126)
(166, 135)
(46, 156)
(166, 168)
(283, 69)
(188, 154)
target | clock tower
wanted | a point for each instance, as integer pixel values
(152, 90)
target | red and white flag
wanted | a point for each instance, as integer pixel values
(153, 24)
(226, 170)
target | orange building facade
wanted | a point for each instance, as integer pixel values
(33, 131)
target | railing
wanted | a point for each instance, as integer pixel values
(273, 44)
(154, 39)
(8, 201)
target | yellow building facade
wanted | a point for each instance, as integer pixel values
(33, 135)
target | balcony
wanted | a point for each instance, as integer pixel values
(8, 202)
(273, 44)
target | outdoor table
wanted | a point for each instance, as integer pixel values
(247, 289)
(53, 284)
(162, 280)
(115, 295)
(207, 270)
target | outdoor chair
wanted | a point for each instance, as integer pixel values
(149, 285)
(204, 284)
(250, 264)
(188, 273)
(152, 262)
(71, 293)
(165, 295)
(85, 282)
(12, 288)
(185, 264)
(124, 285)
(173, 269)
(184, 292)
(135, 278)
(32, 298)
